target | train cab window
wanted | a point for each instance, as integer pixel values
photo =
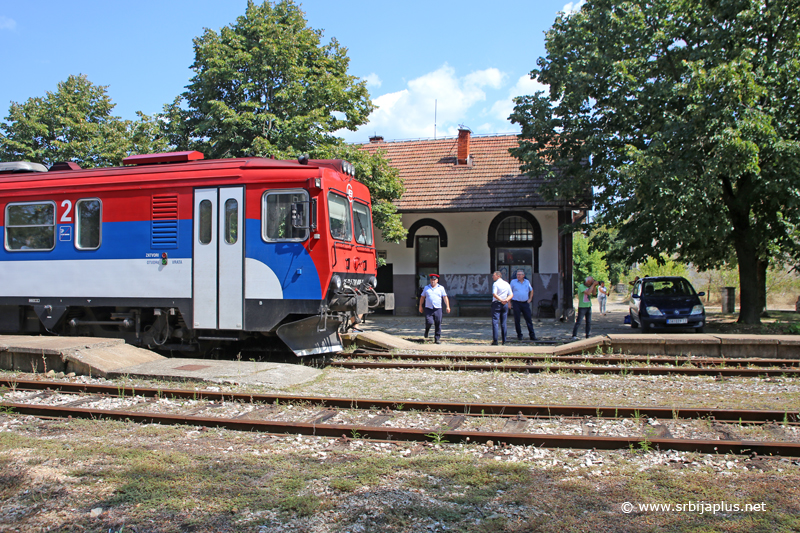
(339, 213)
(231, 221)
(88, 224)
(30, 226)
(362, 223)
(280, 212)
(205, 222)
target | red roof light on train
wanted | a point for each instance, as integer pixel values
(165, 157)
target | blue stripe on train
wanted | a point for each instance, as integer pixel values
(290, 261)
(120, 240)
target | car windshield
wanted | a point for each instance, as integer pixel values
(670, 287)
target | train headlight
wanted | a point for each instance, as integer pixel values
(373, 281)
(336, 283)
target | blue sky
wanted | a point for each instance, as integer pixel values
(465, 59)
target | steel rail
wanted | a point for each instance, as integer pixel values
(535, 369)
(462, 408)
(406, 434)
(605, 359)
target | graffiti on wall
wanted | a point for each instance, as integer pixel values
(546, 279)
(545, 285)
(467, 284)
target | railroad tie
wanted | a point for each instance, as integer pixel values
(323, 415)
(378, 420)
(515, 424)
(79, 402)
(776, 431)
(659, 431)
(451, 422)
(200, 408)
(259, 413)
(588, 430)
(725, 430)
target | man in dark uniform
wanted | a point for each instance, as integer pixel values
(433, 295)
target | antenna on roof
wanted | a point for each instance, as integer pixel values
(435, 105)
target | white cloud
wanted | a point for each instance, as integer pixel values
(373, 80)
(524, 86)
(7, 23)
(409, 113)
(573, 7)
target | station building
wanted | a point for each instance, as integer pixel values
(470, 211)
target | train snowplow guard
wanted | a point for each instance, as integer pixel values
(312, 336)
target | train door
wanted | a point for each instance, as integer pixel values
(218, 276)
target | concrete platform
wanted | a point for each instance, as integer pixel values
(609, 332)
(215, 371)
(111, 358)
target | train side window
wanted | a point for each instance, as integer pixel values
(339, 213)
(205, 222)
(30, 226)
(277, 215)
(362, 223)
(231, 221)
(88, 224)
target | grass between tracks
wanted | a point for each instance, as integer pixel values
(167, 478)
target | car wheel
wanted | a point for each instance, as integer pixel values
(699, 330)
(634, 324)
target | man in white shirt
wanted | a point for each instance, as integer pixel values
(433, 295)
(521, 302)
(501, 295)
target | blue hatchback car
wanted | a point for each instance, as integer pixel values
(666, 302)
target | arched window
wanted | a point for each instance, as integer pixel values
(426, 255)
(514, 241)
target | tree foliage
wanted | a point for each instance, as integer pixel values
(586, 262)
(268, 86)
(661, 266)
(604, 239)
(683, 115)
(75, 123)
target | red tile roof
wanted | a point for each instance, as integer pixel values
(433, 181)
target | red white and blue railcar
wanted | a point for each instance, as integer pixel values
(179, 253)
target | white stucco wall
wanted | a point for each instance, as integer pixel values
(467, 251)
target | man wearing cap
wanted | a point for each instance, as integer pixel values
(431, 300)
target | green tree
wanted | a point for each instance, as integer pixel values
(268, 86)
(684, 116)
(662, 266)
(604, 239)
(586, 262)
(74, 123)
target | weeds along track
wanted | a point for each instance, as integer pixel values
(603, 427)
(586, 364)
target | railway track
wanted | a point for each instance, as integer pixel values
(659, 365)
(592, 359)
(412, 421)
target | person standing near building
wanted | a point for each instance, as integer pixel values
(521, 303)
(501, 295)
(433, 295)
(585, 293)
(602, 297)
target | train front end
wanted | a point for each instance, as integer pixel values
(337, 216)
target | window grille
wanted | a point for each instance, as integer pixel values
(514, 229)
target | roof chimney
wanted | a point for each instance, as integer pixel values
(463, 145)
(376, 139)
